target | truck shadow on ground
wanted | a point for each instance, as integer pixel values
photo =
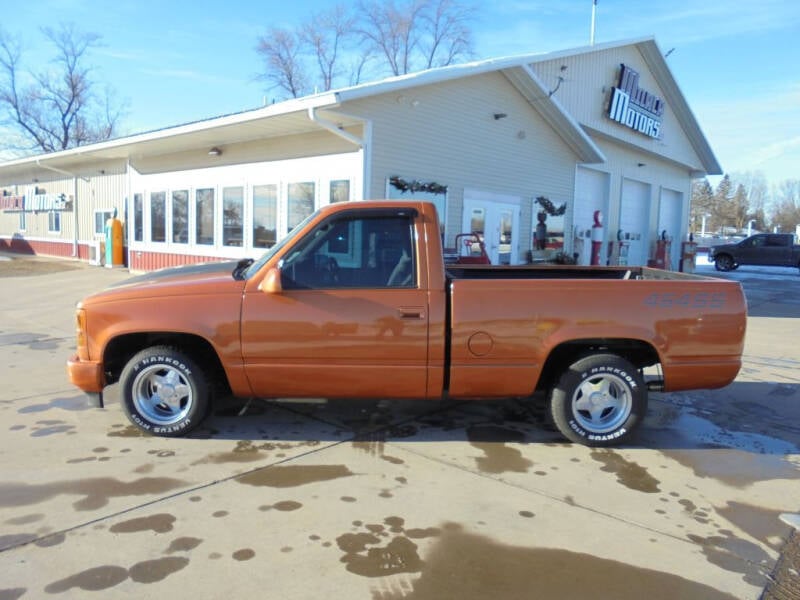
(748, 417)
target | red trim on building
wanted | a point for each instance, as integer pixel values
(61, 249)
(140, 260)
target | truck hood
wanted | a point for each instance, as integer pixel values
(188, 280)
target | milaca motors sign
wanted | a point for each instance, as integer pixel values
(634, 107)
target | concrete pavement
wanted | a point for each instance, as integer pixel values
(389, 500)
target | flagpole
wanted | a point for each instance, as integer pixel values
(594, 11)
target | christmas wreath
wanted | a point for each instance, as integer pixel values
(417, 186)
(550, 208)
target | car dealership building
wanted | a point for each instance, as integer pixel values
(599, 140)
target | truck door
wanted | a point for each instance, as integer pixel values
(778, 250)
(351, 319)
(754, 251)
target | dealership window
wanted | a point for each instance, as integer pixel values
(54, 221)
(138, 218)
(180, 216)
(411, 189)
(232, 216)
(204, 215)
(100, 219)
(300, 201)
(265, 215)
(340, 190)
(158, 217)
(22, 222)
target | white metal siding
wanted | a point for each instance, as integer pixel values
(447, 133)
(585, 92)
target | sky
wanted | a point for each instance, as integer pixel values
(178, 61)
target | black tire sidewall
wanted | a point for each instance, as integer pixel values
(562, 412)
(173, 359)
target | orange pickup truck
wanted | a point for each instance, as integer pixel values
(357, 302)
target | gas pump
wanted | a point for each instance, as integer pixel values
(662, 259)
(618, 251)
(114, 243)
(688, 255)
(597, 237)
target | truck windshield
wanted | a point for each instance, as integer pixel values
(256, 266)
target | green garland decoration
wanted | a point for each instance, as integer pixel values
(417, 186)
(550, 208)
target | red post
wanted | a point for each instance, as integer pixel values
(597, 237)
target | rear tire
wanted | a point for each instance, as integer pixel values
(600, 400)
(164, 392)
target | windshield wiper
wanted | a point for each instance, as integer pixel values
(238, 271)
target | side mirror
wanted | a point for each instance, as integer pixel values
(271, 284)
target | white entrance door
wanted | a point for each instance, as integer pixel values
(633, 220)
(497, 218)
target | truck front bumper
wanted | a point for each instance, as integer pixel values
(86, 375)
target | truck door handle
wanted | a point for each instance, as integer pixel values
(411, 313)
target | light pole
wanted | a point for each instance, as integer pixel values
(750, 227)
(703, 226)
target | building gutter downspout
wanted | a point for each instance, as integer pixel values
(74, 202)
(360, 143)
(334, 128)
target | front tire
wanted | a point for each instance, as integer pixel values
(164, 392)
(600, 400)
(724, 262)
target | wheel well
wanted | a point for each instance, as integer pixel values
(640, 354)
(121, 349)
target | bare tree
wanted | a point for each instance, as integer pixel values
(281, 50)
(380, 37)
(393, 31)
(325, 34)
(702, 204)
(59, 108)
(786, 213)
(447, 33)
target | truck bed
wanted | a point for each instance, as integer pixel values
(506, 322)
(456, 272)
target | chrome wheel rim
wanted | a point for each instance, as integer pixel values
(162, 395)
(602, 403)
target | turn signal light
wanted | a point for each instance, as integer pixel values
(80, 330)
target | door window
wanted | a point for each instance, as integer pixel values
(359, 252)
(506, 236)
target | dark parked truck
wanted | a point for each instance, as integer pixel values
(763, 249)
(357, 302)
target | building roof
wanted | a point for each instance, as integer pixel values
(295, 116)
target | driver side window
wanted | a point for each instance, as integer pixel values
(354, 252)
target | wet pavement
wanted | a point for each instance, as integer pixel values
(386, 500)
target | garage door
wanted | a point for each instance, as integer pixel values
(669, 220)
(633, 218)
(591, 194)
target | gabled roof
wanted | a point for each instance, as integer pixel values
(654, 58)
(293, 116)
